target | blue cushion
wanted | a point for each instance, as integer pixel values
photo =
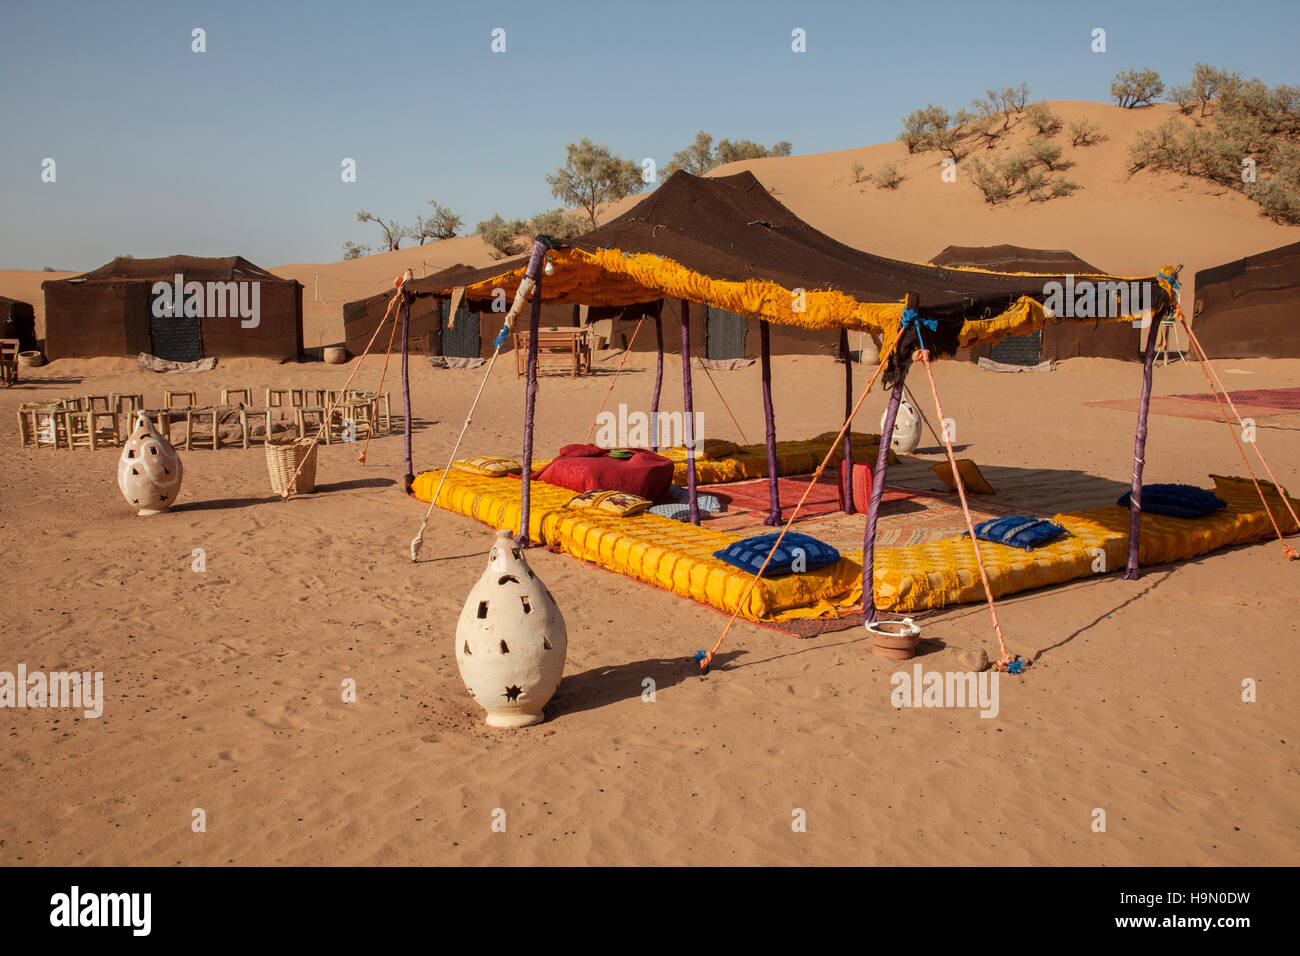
(1176, 501)
(749, 554)
(1018, 531)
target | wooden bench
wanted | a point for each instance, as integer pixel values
(570, 347)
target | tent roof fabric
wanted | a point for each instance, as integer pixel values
(1248, 307)
(727, 242)
(1007, 258)
(165, 268)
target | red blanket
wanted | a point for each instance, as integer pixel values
(589, 468)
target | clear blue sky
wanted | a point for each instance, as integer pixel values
(237, 150)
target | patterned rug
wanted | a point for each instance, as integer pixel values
(1288, 398)
(746, 502)
(1269, 407)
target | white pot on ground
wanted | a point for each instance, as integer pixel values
(511, 640)
(149, 471)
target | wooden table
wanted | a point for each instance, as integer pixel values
(568, 346)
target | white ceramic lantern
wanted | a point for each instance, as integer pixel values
(511, 640)
(149, 471)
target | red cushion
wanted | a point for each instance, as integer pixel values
(589, 468)
(862, 479)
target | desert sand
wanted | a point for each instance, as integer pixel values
(224, 688)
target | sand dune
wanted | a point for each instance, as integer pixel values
(1127, 224)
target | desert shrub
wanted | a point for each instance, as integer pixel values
(1084, 132)
(1276, 201)
(1063, 187)
(501, 235)
(1134, 88)
(858, 169)
(352, 250)
(555, 222)
(1041, 118)
(887, 176)
(1043, 150)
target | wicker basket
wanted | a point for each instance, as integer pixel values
(283, 459)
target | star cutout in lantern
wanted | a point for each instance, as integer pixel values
(512, 693)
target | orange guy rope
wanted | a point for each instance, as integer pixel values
(924, 356)
(626, 352)
(379, 391)
(1287, 551)
(325, 423)
(884, 360)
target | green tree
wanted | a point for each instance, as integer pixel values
(394, 232)
(701, 156)
(592, 175)
(441, 224)
(1133, 88)
(1043, 150)
(352, 250)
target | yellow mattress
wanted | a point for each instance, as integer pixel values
(793, 458)
(933, 575)
(678, 557)
(673, 555)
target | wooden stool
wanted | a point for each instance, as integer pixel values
(41, 423)
(362, 414)
(81, 431)
(99, 402)
(196, 416)
(300, 415)
(246, 392)
(169, 398)
(383, 413)
(275, 397)
(246, 418)
(72, 403)
(112, 432)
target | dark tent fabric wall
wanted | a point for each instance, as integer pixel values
(18, 321)
(1054, 342)
(108, 311)
(1251, 307)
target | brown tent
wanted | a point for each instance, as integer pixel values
(1052, 342)
(1251, 307)
(18, 321)
(114, 310)
(726, 242)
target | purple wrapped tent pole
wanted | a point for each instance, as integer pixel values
(406, 387)
(534, 272)
(773, 486)
(1133, 571)
(847, 481)
(873, 507)
(689, 407)
(659, 377)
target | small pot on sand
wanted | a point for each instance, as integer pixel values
(895, 640)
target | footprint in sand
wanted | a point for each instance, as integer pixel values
(279, 719)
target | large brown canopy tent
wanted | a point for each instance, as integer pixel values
(726, 241)
(110, 311)
(1053, 342)
(1251, 307)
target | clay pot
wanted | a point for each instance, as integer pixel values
(149, 471)
(895, 640)
(511, 640)
(334, 354)
(907, 429)
(30, 359)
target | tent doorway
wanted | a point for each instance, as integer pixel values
(1019, 349)
(724, 334)
(463, 340)
(176, 338)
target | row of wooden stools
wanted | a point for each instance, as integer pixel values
(92, 421)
